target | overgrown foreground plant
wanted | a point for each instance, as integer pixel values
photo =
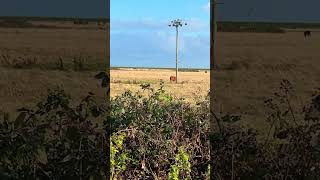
(54, 140)
(158, 137)
(165, 138)
(291, 149)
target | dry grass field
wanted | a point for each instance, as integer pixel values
(23, 84)
(251, 68)
(191, 84)
(253, 65)
(47, 45)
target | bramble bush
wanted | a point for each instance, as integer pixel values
(157, 126)
(54, 140)
(291, 149)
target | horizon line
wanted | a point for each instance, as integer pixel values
(150, 67)
(219, 21)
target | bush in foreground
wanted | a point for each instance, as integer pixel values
(291, 150)
(158, 137)
(53, 140)
(158, 128)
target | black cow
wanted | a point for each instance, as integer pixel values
(307, 34)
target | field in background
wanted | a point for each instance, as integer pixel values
(251, 67)
(270, 27)
(191, 84)
(45, 48)
(31, 59)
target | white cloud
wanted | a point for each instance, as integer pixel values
(145, 24)
(148, 42)
(197, 25)
(158, 48)
(148, 24)
(167, 41)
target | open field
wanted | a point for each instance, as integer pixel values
(191, 84)
(146, 133)
(30, 63)
(252, 65)
(257, 63)
(48, 45)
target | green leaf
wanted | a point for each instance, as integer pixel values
(20, 120)
(95, 112)
(231, 118)
(23, 110)
(42, 155)
(100, 75)
(5, 160)
(73, 133)
(67, 158)
(104, 82)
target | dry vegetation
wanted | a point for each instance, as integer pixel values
(191, 84)
(252, 65)
(30, 62)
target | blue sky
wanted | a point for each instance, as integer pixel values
(55, 8)
(139, 32)
(140, 35)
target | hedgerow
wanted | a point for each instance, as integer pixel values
(157, 136)
(157, 127)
